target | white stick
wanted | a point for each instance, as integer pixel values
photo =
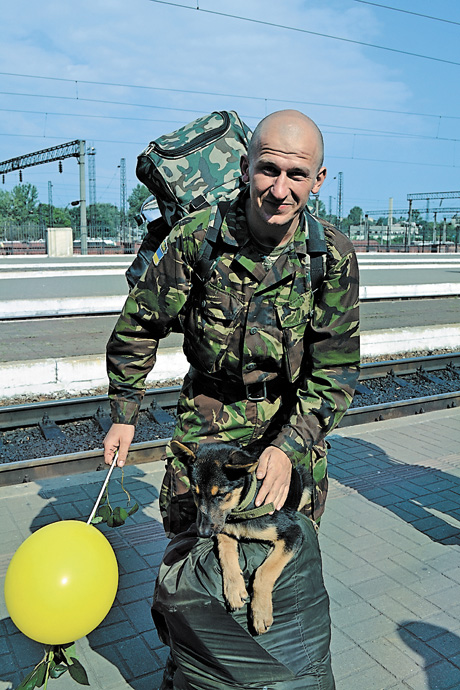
(93, 512)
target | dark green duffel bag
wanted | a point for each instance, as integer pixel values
(214, 648)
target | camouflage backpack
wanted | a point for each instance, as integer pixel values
(194, 167)
(187, 170)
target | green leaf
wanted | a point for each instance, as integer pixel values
(41, 673)
(68, 653)
(78, 673)
(110, 521)
(96, 520)
(30, 681)
(105, 513)
(104, 497)
(57, 670)
(120, 514)
(134, 509)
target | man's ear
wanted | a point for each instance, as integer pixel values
(182, 452)
(244, 165)
(242, 460)
(320, 177)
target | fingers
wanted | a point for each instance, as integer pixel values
(275, 469)
(119, 437)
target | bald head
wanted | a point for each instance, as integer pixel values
(294, 126)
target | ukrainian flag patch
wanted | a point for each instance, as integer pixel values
(160, 252)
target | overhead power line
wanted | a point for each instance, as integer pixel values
(307, 31)
(361, 131)
(199, 93)
(329, 157)
(416, 14)
(264, 99)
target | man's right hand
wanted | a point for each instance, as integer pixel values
(119, 437)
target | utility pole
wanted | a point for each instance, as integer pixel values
(123, 200)
(390, 222)
(339, 200)
(50, 204)
(91, 152)
(83, 226)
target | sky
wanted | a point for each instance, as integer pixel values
(379, 79)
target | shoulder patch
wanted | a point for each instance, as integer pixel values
(160, 252)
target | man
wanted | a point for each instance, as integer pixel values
(269, 360)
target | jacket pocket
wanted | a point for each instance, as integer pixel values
(293, 316)
(210, 323)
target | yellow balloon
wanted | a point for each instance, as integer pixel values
(61, 582)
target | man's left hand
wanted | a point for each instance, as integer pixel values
(275, 469)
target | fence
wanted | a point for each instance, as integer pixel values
(30, 238)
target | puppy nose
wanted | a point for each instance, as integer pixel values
(204, 526)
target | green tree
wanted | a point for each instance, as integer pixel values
(355, 215)
(317, 207)
(135, 201)
(5, 204)
(107, 223)
(24, 203)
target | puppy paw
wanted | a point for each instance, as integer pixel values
(235, 593)
(262, 618)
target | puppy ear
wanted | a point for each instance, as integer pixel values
(182, 451)
(242, 460)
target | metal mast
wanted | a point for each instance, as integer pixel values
(83, 226)
(72, 149)
(123, 199)
(339, 200)
(50, 204)
(91, 153)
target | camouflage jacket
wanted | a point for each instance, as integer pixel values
(250, 324)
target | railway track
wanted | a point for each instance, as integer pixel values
(403, 378)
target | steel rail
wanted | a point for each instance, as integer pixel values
(409, 365)
(29, 414)
(38, 469)
(153, 451)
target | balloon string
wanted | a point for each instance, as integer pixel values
(106, 481)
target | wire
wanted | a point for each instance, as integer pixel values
(96, 100)
(416, 14)
(306, 31)
(360, 130)
(330, 157)
(204, 93)
(103, 117)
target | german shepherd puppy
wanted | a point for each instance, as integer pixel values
(224, 486)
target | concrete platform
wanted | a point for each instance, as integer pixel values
(391, 553)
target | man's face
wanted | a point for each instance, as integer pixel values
(282, 172)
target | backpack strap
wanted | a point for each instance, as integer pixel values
(317, 250)
(316, 246)
(205, 260)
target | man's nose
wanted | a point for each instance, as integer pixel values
(279, 187)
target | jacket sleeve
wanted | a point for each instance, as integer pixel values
(331, 355)
(147, 316)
